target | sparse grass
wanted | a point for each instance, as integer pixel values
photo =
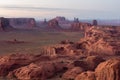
(34, 38)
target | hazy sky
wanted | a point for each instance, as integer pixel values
(83, 9)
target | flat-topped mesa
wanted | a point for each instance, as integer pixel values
(4, 24)
(80, 26)
(107, 38)
(22, 22)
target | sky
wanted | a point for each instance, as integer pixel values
(40, 9)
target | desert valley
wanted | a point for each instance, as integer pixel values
(58, 49)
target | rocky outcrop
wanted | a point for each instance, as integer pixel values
(30, 66)
(108, 70)
(101, 40)
(37, 66)
(79, 26)
(33, 71)
(37, 71)
(14, 61)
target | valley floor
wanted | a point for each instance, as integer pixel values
(32, 40)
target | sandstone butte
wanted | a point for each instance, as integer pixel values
(94, 57)
(8, 24)
(4, 24)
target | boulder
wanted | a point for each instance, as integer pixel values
(108, 70)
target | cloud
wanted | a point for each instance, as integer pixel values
(33, 8)
(46, 12)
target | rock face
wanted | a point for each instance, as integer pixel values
(109, 70)
(4, 24)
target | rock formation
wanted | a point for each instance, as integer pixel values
(37, 66)
(60, 18)
(22, 22)
(102, 40)
(95, 23)
(11, 62)
(108, 70)
(53, 24)
(4, 24)
(79, 26)
(33, 71)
